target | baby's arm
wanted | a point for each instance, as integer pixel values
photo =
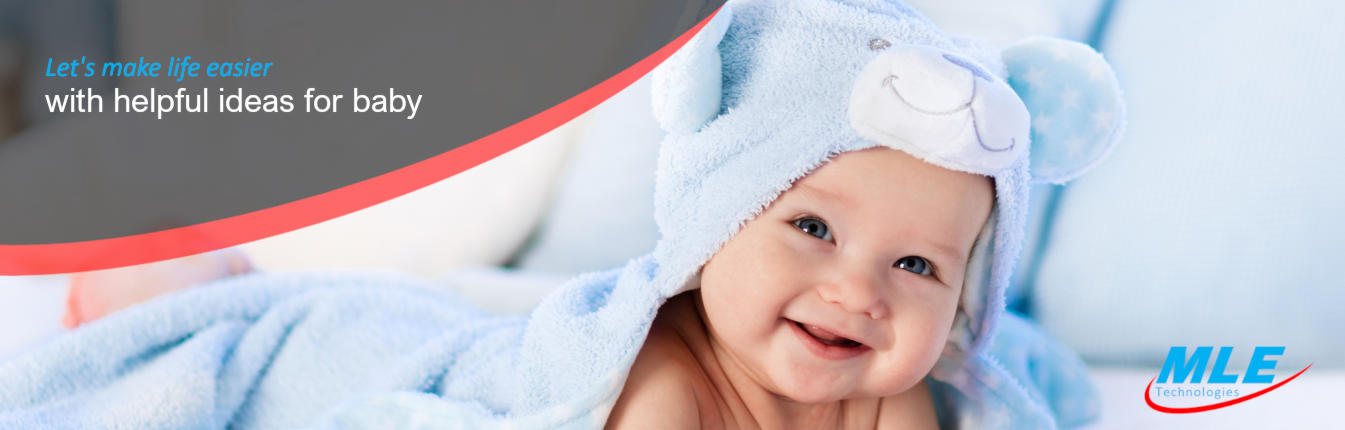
(96, 294)
(659, 392)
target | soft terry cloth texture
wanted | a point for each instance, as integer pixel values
(763, 98)
(768, 92)
(336, 350)
(349, 350)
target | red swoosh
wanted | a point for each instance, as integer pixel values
(222, 233)
(1170, 410)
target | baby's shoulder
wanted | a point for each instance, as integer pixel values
(667, 352)
(910, 409)
(663, 384)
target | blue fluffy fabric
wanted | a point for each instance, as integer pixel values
(769, 91)
(338, 350)
(758, 102)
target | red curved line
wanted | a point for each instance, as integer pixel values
(99, 254)
(1210, 407)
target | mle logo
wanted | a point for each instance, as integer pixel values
(1220, 386)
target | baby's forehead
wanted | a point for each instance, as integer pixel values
(884, 171)
(896, 191)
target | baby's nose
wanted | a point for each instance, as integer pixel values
(857, 293)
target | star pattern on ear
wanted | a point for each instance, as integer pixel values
(1041, 124)
(1069, 98)
(1034, 76)
(1074, 103)
(1102, 119)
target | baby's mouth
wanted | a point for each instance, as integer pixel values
(826, 343)
(827, 337)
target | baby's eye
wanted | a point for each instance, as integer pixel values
(814, 227)
(914, 264)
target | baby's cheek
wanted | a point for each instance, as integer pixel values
(907, 364)
(747, 282)
(937, 301)
(925, 330)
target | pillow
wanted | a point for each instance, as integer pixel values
(1217, 219)
(603, 213)
(476, 218)
(1002, 23)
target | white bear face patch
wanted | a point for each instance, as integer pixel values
(943, 108)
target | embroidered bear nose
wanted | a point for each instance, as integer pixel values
(976, 71)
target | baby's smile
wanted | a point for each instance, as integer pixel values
(826, 343)
(847, 285)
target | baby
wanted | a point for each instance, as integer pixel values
(841, 197)
(827, 310)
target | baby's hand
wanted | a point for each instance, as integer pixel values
(95, 294)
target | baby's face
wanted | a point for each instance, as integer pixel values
(846, 286)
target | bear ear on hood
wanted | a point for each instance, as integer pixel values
(1074, 102)
(686, 87)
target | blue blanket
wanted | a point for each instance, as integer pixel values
(766, 93)
(301, 350)
(343, 350)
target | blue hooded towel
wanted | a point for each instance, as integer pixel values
(767, 92)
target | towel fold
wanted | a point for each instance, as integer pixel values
(361, 350)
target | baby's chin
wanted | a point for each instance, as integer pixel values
(801, 376)
(818, 388)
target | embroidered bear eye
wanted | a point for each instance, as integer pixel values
(814, 227)
(913, 264)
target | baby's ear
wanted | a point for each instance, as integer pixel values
(1074, 101)
(687, 86)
